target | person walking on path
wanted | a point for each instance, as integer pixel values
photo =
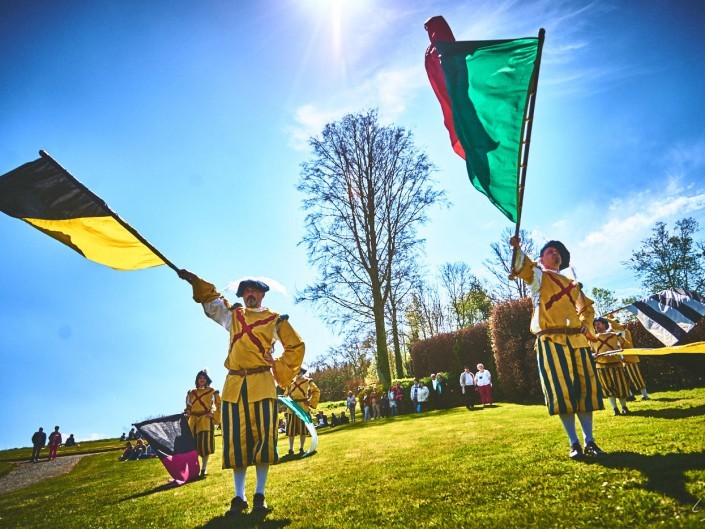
(54, 442)
(39, 439)
(351, 404)
(249, 408)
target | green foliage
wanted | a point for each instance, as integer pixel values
(605, 301)
(417, 467)
(671, 260)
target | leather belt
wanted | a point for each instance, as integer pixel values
(248, 371)
(300, 400)
(560, 330)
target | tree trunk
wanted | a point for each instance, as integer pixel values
(383, 373)
(398, 362)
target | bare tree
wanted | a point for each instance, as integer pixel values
(500, 265)
(367, 189)
(425, 313)
(458, 280)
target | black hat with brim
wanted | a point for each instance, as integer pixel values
(251, 283)
(604, 321)
(562, 250)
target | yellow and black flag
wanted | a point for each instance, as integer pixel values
(45, 195)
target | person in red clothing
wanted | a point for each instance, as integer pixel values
(54, 442)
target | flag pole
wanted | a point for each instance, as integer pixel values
(124, 224)
(526, 143)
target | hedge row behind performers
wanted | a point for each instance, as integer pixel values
(249, 410)
(562, 320)
(203, 412)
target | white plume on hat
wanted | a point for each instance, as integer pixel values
(273, 284)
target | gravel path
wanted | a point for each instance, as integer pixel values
(25, 474)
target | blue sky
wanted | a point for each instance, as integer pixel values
(190, 120)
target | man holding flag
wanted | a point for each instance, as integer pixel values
(562, 322)
(249, 410)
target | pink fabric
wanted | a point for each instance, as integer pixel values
(439, 30)
(182, 467)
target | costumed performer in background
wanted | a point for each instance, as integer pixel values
(203, 412)
(610, 371)
(306, 394)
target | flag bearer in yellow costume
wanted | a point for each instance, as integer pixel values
(306, 394)
(609, 368)
(203, 412)
(630, 362)
(249, 411)
(561, 319)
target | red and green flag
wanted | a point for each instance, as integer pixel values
(486, 90)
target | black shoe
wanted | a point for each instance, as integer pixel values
(616, 412)
(237, 506)
(631, 398)
(645, 397)
(301, 451)
(203, 473)
(625, 411)
(591, 449)
(576, 451)
(259, 504)
(290, 452)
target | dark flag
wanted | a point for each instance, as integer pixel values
(173, 442)
(43, 194)
(669, 315)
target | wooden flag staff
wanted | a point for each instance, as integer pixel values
(526, 143)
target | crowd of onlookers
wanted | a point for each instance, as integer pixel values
(39, 441)
(140, 450)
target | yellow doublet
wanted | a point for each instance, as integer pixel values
(607, 341)
(558, 304)
(304, 392)
(627, 341)
(200, 402)
(253, 333)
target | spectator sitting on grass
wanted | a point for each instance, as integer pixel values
(127, 453)
(140, 449)
(334, 420)
(123, 437)
(70, 441)
(344, 419)
(322, 420)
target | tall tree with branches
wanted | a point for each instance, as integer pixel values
(367, 189)
(671, 260)
(500, 265)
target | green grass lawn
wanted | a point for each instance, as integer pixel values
(501, 467)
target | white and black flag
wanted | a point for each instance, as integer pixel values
(669, 315)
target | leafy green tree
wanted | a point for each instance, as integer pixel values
(670, 260)
(605, 301)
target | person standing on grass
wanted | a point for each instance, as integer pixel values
(467, 385)
(610, 371)
(422, 395)
(249, 409)
(54, 442)
(351, 402)
(483, 383)
(39, 439)
(413, 394)
(203, 412)
(306, 394)
(630, 362)
(562, 321)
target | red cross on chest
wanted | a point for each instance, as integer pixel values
(603, 343)
(247, 329)
(298, 386)
(564, 290)
(198, 398)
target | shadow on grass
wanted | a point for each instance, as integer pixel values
(253, 520)
(671, 413)
(166, 486)
(665, 473)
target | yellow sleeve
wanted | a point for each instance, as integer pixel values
(216, 413)
(203, 291)
(188, 402)
(288, 365)
(625, 336)
(315, 394)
